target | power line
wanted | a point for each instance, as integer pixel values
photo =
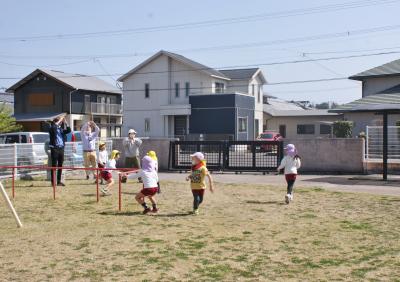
(344, 34)
(310, 91)
(235, 66)
(208, 23)
(45, 66)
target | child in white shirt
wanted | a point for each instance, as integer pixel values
(149, 176)
(108, 175)
(102, 159)
(290, 163)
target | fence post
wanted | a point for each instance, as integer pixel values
(53, 182)
(13, 182)
(119, 193)
(15, 153)
(366, 143)
(97, 185)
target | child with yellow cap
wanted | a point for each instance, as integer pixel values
(108, 175)
(153, 156)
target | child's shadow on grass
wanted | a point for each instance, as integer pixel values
(174, 214)
(120, 213)
(279, 203)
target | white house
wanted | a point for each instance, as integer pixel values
(157, 94)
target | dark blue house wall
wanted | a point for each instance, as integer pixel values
(217, 114)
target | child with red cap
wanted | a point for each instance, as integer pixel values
(197, 179)
(290, 163)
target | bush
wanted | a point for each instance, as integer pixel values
(343, 129)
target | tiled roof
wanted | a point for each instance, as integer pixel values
(391, 68)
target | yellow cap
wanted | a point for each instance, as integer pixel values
(152, 155)
(101, 144)
(114, 153)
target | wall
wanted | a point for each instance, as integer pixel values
(362, 120)
(372, 86)
(272, 123)
(159, 145)
(337, 155)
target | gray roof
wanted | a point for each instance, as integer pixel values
(180, 58)
(301, 113)
(388, 99)
(6, 98)
(240, 74)
(278, 104)
(75, 81)
(37, 116)
(388, 69)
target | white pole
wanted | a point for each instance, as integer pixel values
(15, 153)
(7, 199)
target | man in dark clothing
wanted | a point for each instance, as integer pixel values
(58, 130)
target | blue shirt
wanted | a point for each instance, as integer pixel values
(59, 138)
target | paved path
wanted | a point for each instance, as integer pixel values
(342, 183)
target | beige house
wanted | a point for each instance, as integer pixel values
(293, 121)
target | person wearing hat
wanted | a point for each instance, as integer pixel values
(107, 175)
(199, 173)
(103, 157)
(132, 150)
(290, 163)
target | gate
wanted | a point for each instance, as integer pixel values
(260, 156)
(374, 143)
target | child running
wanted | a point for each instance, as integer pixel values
(197, 179)
(149, 176)
(108, 175)
(291, 163)
(102, 158)
(153, 155)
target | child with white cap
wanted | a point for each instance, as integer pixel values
(290, 163)
(197, 178)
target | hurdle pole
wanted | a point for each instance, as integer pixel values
(10, 206)
(119, 192)
(54, 183)
(97, 185)
(13, 183)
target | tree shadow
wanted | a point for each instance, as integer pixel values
(356, 180)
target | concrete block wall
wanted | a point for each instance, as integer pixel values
(159, 145)
(337, 155)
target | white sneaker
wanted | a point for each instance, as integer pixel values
(104, 191)
(291, 197)
(287, 198)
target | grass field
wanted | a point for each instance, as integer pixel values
(244, 233)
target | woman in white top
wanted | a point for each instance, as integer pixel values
(149, 176)
(290, 163)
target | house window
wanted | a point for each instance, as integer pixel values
(305, 129)
(113, 120)
(219, 87)
(324, 129)
(187, 89)
(147, 90)
(282, 130)
(147, 125)
(41, 99)
(252, 89)
(242, 126)
(177, 89)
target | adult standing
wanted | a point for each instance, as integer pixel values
(89, 138)
(57, 132)
(132, 150)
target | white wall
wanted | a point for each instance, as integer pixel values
(362, 120)
(375, 85)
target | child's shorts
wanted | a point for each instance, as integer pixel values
(106, 175)
(149, 191)
(290, 177)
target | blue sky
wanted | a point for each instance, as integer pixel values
(49, 17)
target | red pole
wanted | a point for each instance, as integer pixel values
(13, 183)
(97, 185)
(54, 183)
(119, 193)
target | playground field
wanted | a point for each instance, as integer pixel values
(243, 233)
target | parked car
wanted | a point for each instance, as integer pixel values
(269, 136)
(30, 151)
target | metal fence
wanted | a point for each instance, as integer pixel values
(38, 154)
(374, 142)
(228, 155)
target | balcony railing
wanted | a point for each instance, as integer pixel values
(96, 108)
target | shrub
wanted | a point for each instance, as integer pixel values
(343, 129)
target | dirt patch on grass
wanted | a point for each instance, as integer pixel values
(244, 232)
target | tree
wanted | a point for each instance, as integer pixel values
(343, 129)
(7, 122)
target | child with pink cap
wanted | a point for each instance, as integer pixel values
(149, 176)
(290, 163)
